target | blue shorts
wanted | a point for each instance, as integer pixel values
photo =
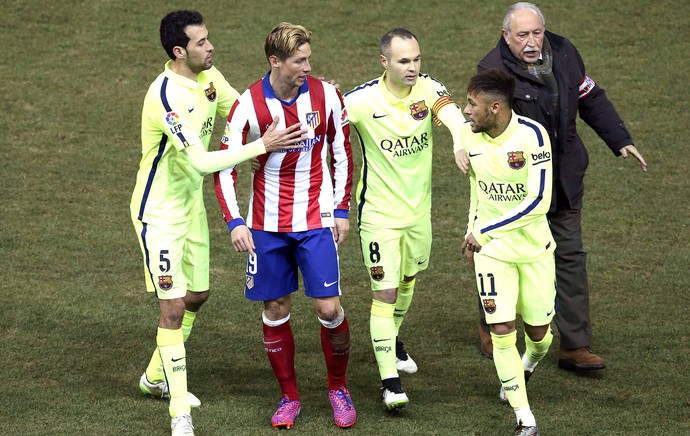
(272, 271)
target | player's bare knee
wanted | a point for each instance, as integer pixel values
(194, 300)
(171, 313)
(278, 308)
(536, 333)
(389, 296)
(504, 328)
(327, 309)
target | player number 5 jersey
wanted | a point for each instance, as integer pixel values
(177, 112)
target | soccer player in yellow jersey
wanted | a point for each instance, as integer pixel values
(392, 118)
(167, 205)
(508, 237)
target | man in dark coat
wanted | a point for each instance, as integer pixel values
(552, 87)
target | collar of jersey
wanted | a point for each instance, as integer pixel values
(268, 89)
(392, 99)
(182, 80)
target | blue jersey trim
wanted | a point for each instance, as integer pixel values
(426, 76)
(147, 256)
(365, 85)
(152, 175)
(535, 128)
(268, 90)
(365, 172)
(164, 97)
(166, 106)
(159, 155)
(528, 209)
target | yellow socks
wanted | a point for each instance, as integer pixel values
(187, 323)
(509, 368)
(154, 371)
(382, 329)
(402, 303)
(535, 351)
(172, 353)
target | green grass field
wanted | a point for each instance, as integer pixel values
(77, 328)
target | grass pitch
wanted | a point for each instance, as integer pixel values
(77, 327)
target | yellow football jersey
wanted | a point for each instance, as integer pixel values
(177, 112)
(396, 140)
(510, 181)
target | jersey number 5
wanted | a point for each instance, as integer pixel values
(165, 262)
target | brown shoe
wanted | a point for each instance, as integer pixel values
(580, 359)
(486, 347)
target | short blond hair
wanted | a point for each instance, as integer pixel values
(285, 39)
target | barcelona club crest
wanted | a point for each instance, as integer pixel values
(210, 92)
(313, 119)
(165, 283)
(377, 273)
(419, 110)
(516, 160)
(489, 305)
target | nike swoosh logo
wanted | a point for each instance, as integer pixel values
(328, 285)
(381, 340)
(475, 154)
(190, 110)
(422, 262)
(178, 359)
(272, 342)
(506, 381)
(379, 116)
(549, 313)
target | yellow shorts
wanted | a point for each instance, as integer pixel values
(391, 254)
(509, 289)
(176, 256)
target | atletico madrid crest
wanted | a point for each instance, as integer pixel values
(313, 119)
(419, 110)
(210, 92)
(489, 305)
(165, 282)
(516, 160)
(377, 273)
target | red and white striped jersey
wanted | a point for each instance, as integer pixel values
(301, 189)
